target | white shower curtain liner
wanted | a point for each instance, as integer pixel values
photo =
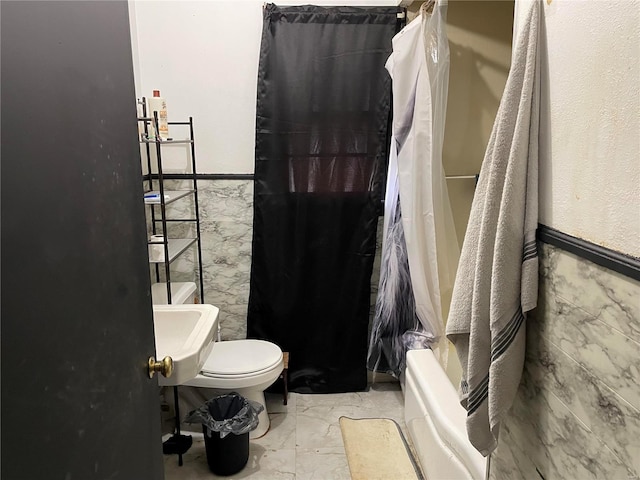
(419, 67)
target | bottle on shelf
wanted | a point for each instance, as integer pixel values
(159, 104)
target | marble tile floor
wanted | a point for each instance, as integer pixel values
(304, 441)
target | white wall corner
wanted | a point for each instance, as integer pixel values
(404, 3)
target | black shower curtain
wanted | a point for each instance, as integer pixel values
(321, 150)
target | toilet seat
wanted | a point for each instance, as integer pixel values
(241, 358)
(237, 364)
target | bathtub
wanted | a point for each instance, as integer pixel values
(436, 422)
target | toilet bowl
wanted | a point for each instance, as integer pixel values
(247, 367)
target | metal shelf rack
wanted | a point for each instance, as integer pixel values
(157, 198)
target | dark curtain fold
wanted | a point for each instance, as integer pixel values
(321, 150)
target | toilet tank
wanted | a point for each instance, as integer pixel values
(436, 422)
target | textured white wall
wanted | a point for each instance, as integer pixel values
(203, 57)
(590, 120)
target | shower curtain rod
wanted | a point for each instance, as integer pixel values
(461, 176)
(400, 15)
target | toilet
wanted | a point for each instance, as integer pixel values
(246, 367)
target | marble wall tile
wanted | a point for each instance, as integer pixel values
(226, 257)
(226, 228)
(576, 414)
(546, 440)
(228, 200)
(605, 352)
(611, 419)
(510, 459)
(609, 296)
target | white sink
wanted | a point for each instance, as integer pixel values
(185, 333)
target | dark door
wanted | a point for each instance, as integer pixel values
(77, 323)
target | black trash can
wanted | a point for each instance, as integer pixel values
(227, 455)
(226, 422)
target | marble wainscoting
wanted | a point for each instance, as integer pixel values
(226, 212)
(577, 412)
(226, 222)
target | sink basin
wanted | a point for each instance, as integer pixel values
(185, 333)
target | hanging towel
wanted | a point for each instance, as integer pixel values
(497, 280)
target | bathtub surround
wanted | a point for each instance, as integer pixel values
(577, 412)
(497, 276)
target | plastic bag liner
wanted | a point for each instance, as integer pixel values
(231, 413)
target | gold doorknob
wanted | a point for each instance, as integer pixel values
(165, 367)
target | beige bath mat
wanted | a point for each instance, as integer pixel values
(377, 450)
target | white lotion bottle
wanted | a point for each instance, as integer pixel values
(158, 104)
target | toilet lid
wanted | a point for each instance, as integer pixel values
(234, 357)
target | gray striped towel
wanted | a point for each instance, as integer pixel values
(497, 279)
